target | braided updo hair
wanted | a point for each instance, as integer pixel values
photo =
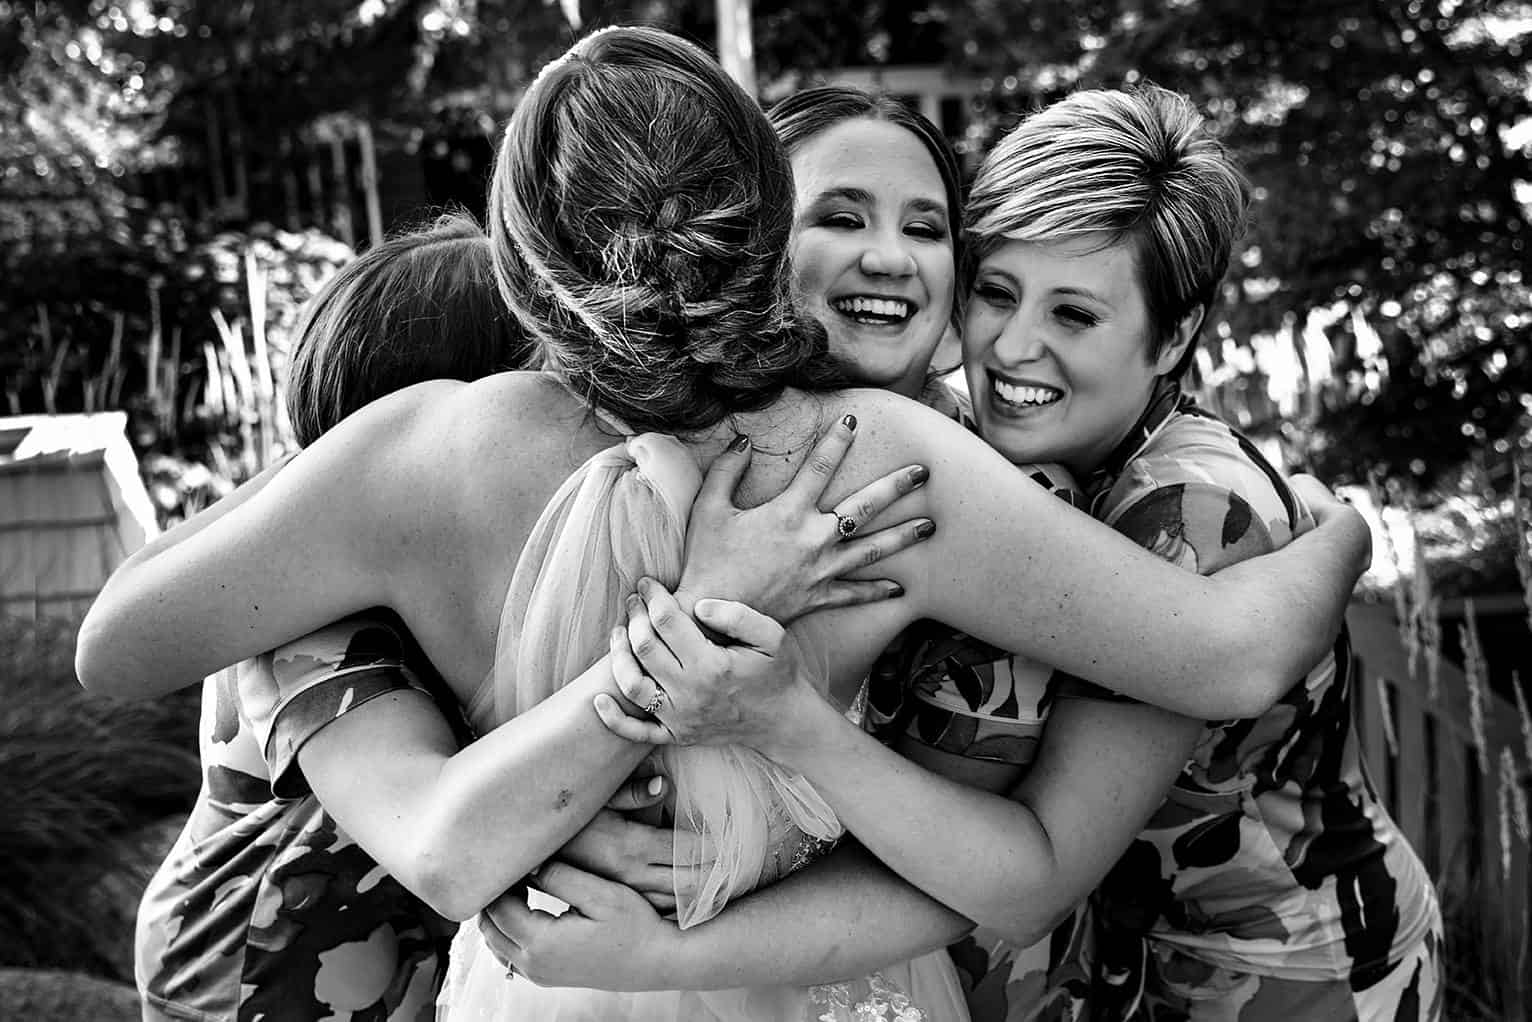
(640, 214)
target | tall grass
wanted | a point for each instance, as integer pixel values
(89, 790)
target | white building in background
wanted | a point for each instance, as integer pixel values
(72, 508)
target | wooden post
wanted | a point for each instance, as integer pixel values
(370, 182)
(315, 178)
(293, 216)
(215, 153)
(736, 42)
(340, 202)
(237, 157)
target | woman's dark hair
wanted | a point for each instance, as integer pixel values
(806, 114)
(418, 306)
(640, 213)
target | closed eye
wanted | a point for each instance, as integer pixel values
(1076, 317)
(842, 220)
(928, 231)
(993, 294)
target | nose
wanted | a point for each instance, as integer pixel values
(1021, 340)
(888, 255)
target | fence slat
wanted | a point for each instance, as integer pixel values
(1449, 799)
(1413, 765)
(1374, 740)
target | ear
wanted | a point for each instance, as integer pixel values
(1186, 332)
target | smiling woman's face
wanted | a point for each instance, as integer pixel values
(872, 249)
(1056, 350)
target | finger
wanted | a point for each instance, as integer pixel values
(819, 467)
(631, 681)
(584, 892)
(638, 793)
(684, 846)
(853, 593)
(617, 721)
(507, 920)
(663, 902)
(653, 655)
(635, 686)
(866, 550)
(877, 496)
(743, 624)
(673, 625)
(724, 474)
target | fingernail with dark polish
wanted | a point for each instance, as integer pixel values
(741, 441)
(895, 590)
(925, 530)
(919, 474)
(849, 421)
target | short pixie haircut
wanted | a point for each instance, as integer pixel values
(1136, 165)
(809, 113)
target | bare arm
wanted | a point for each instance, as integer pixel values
(1013, 864)
(162, 683)
(1019, 569)
(459, 827)
(843, 916)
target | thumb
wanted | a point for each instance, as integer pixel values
(638, 793)
(724, 474)
(743, 624)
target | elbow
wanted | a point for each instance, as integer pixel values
(1026, 928)
(92, 654)
(433, 876)
(1250, 696)
(442, 871)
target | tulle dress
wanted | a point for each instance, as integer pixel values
(622, 515)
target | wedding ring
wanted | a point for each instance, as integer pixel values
(845, 525)
(655, 701)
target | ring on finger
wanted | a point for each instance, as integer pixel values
(655, 701)
(845, 525)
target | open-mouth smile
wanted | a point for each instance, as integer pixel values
(871, 310)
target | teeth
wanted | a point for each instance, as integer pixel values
(1027, 395)
(891, 308)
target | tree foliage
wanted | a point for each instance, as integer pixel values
(1391, 147)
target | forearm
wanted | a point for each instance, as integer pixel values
(1299, 602)
(980, 854)
(458, 829)
(158, 683)
(843, 916)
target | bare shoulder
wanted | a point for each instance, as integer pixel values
(894, 431)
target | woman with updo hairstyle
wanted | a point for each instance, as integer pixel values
(676, 253)
(510, 522)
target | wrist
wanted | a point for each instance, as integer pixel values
(805, 724)
(669, 959)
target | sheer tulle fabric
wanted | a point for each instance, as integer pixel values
(622, 516)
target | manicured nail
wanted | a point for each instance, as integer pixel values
(925, 530)
(849, 421)
(740, 442)
(634, 605)
(645, 584)
(656, 785)
(895, 590)
(919, 474)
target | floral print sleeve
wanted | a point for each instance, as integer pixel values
(291, 693)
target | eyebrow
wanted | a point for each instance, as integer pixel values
(847, 192)
(1082, 293)
(928, 206)
(851, 193)
(1010, 278)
